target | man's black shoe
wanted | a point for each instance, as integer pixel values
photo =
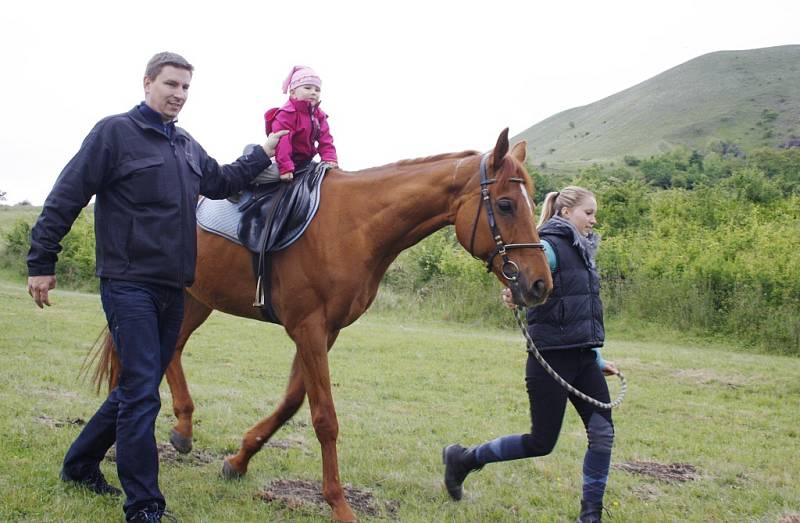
(152, 513)
(95, 482)
(458, 463)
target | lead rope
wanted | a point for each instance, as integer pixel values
(572, 390)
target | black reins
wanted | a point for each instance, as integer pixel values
(510, 270)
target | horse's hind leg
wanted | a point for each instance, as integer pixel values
(256, 437)
(194, 314)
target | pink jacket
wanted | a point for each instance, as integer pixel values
(307, 126)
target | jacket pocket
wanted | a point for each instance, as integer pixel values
(194, 166)
(143, 179)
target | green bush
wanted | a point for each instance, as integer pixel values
(17, 243)
(714, 261)
(76, 262)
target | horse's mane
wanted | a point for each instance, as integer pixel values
(427, 159)
(502, 175)
(437, 157)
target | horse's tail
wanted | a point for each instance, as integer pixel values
(103, 357)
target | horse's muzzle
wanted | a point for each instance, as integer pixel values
(529, 296)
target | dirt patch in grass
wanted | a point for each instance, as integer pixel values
(295, 494)
(54, 423)
(670, 473)
(646, 492)
(790, 518)
(168, 454)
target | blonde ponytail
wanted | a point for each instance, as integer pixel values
(568, 197)
(548, 208)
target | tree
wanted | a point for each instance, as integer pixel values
(542, 184)
(2, 196)
(752, 184)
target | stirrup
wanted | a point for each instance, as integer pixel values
(259, 301)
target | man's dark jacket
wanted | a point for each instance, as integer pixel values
(147, 184)
(572, 318)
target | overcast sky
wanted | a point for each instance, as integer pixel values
(401, 79)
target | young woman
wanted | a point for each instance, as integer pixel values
(568, 331)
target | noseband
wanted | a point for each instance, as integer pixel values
(510, 270)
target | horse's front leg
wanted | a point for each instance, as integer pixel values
(258, 436)
(312, 348)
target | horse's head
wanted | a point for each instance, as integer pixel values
(495, 223)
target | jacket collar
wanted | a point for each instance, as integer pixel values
(586, 245)
(293, 105)
(136, 115)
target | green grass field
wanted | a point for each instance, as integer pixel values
(403, 390)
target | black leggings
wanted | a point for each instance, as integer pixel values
(548, 399)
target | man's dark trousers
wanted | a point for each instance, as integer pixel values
(144, 320)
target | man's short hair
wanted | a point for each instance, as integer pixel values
(159, 60)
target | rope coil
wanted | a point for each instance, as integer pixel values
(531, 348)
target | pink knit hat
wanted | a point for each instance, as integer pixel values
(301, 75)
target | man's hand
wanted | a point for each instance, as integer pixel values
(287, 177)
(272, 142)
(508, 299)
(39, 286)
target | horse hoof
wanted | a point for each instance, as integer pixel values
(228, 472)
(346, 516)
(180, 442)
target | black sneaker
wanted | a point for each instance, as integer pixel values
(94, 482)
(457, 465)
(152, 513)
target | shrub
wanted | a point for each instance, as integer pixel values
(76, 261)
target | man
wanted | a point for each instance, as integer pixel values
(146, 174)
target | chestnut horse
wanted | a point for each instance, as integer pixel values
(328, 278)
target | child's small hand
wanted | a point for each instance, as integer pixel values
(333, 165)
(287, 177)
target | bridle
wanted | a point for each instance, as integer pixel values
(509, 270)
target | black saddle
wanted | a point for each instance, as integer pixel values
(274, 215)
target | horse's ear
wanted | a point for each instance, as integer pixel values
(500, 149)
(519, 151)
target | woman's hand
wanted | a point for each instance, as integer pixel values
(287, 177)
(508, 299)
(610, 369)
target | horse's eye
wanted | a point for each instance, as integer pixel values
(506, 206)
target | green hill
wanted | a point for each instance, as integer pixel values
(743, 98)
